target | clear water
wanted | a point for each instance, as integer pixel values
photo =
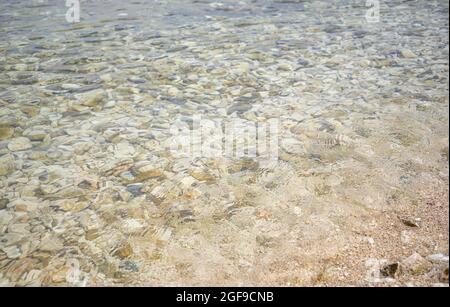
(363, 125)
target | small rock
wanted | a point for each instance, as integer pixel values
(409, 222)
(3, 203)
(124, 251)
(11, 239)
(106, 78)
(89, 184)
(293, 146)
(202, 175)
(239, 108)
(70, 205)
(285, 67)
(21, 228)
(36, 135)
(5, 218)
(70, 87)
(406, 53)
(132, 226)
(438, 258)
(92, 234)
(124, 150)
(245, 165)
(416, 264)
(93, 98)
(51, 244)
(12, 252)
(6, 133)
(107, 268)
(390, 270)
(135, 189)
(60, 276)
(7, 165)
(370, 240)
(24, 205)
(19, 144)
(128, 177)
(264, 241)
(444, 276)
(148, 172)
(187, 181)
(128, 265)
(173, 91)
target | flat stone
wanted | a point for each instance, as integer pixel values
(5, 217)
(438, 258)
(36, 135)
(124, 150)
(12, 252)
(202, 175)
(7, 165)
(243, 165)
(409, 222)
(19, 228)
(293, 146)
(444, 276)
(19, 144)
(239, 108)
(93, 98)
(6, 133)
(124, 251)
(135, 189)
(51, 244)
(148, 172)
(128, 265)
(3, 203)
(416, 264)
(92, 234)
(132, 226)
(24, 205)
(406, 53)
(9, 239)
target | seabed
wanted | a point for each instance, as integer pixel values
(93, 192)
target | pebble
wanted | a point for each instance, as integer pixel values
(293, 146)
(36, 135)
(129, 266)
(93, 98)
(239, 108)
(406, 53)
(390, 270)
(12, 252)
(86, 173)
(444, 276)
(416, 264)
(438, 258)
(132, 226)
(202, 175)
(7, 165)
(51, 244)
(6, 133)
(148, 172)
(124, 150)
(5, 217)
(19, 144)
(124, 251)
(409, 222)
(3, 203)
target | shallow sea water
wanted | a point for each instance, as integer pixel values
(91, 195)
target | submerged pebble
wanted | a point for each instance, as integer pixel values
(354, 114)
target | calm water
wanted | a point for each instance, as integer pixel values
(87, 182)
